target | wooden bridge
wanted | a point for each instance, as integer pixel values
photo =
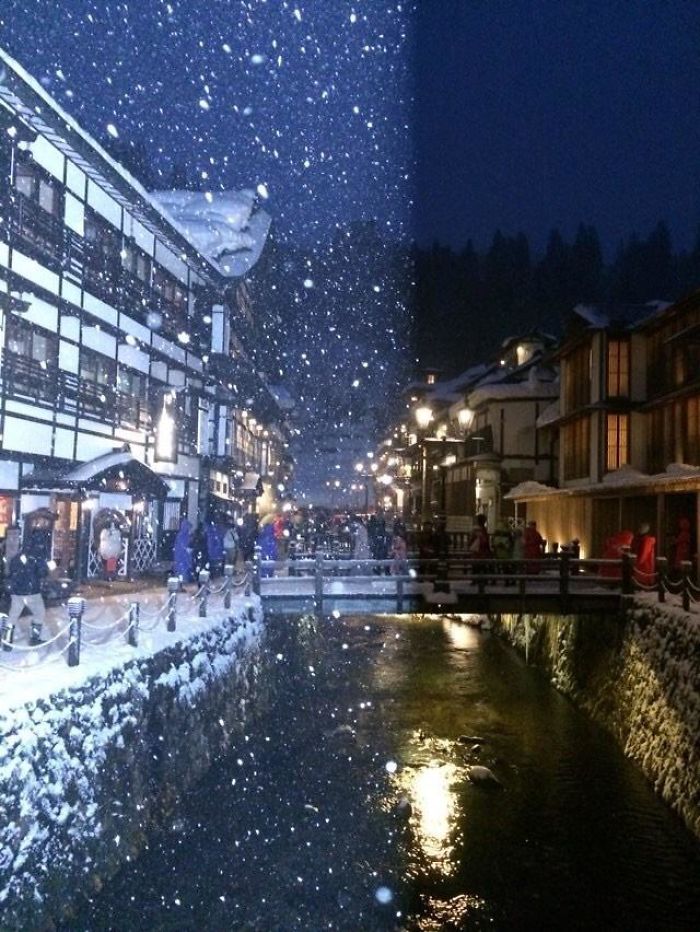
(456, 584)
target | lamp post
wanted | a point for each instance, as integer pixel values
(424, 416)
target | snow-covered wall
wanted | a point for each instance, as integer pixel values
(639, 677)
(89, 771)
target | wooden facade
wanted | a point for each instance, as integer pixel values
(108, 319)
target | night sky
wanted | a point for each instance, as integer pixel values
(529, 114)
(441, 119)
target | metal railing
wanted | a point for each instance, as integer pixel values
(563, 581)
(80, 632)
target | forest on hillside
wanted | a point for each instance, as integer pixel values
(466, 303)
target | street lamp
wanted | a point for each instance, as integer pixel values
(424, 416)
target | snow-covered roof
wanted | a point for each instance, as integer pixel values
(533, 386)
(282, 397)
(550, 414)
(620, 315)
(72, 133)
(225, 226)
(626, 477)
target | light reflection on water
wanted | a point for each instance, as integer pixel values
(431, 792)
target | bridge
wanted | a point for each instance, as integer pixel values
(457, 584)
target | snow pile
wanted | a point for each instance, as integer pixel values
(89, 766)
(225, 226)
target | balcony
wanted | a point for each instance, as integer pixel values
(101, 273)
(37, 228)
(29, 379)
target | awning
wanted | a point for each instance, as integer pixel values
(118, 471)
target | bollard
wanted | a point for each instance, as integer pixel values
(685, 573)
(133, 633)
(564, 579)
(256, 570)
(76, 606)
(204, 577)
(318, 584)
(662, 571)
(173, 589)
(7, 634)
(228, 584)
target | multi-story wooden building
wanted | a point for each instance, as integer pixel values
(628, 427)
(112, 325)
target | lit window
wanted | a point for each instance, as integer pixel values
(618, 441)
(618, 368)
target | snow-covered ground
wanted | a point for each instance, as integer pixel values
(92, 756)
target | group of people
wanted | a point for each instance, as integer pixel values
(210, 546)
(642, 546)
(374, 542)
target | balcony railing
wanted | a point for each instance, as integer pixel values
(36, 226)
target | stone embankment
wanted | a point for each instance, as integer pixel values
(88, 772)
(638, 676)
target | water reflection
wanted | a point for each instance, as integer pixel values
(462, 633)
(431, 791)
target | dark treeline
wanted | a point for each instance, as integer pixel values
(467, 302)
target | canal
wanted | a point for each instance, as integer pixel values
(347, 804)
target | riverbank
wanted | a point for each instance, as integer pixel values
(639, 677)
(94, 762)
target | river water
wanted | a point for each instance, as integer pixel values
(347, 804)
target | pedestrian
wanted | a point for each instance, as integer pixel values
(360, 545)
(502, 545)
(268, 545)
(533, 544)
(681, 544)
(26, 573)
(182, 552)
(399, 555)
(644, 550)
(230, 543)
(200, 553)
(215, 548)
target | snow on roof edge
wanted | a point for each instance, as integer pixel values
(73, 125)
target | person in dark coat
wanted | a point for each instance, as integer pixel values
(26, 572)
(182, 552)
(215, 548)
(200, 553)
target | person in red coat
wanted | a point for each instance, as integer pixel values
(644, 550)
(615, 546)
(681, 544)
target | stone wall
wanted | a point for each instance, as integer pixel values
(88, 772)
(639, 677)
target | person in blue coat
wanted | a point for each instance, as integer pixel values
(182, 552)
(215, 548)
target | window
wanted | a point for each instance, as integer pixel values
(41, 189)
(31, 344)
(575, 446)
(97, 370)
(577, 378)
(618, 368)
(136, 262)
(173, 297)
(617, 445)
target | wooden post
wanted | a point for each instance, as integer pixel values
(685, 574)
(661, 574)
(564, 579)
(173, 589)
(318, 584)
(76, 606)
(133, 633)
(7, 634)
(204, 577)
(228, 584)
(627, 572)
(256, 570)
